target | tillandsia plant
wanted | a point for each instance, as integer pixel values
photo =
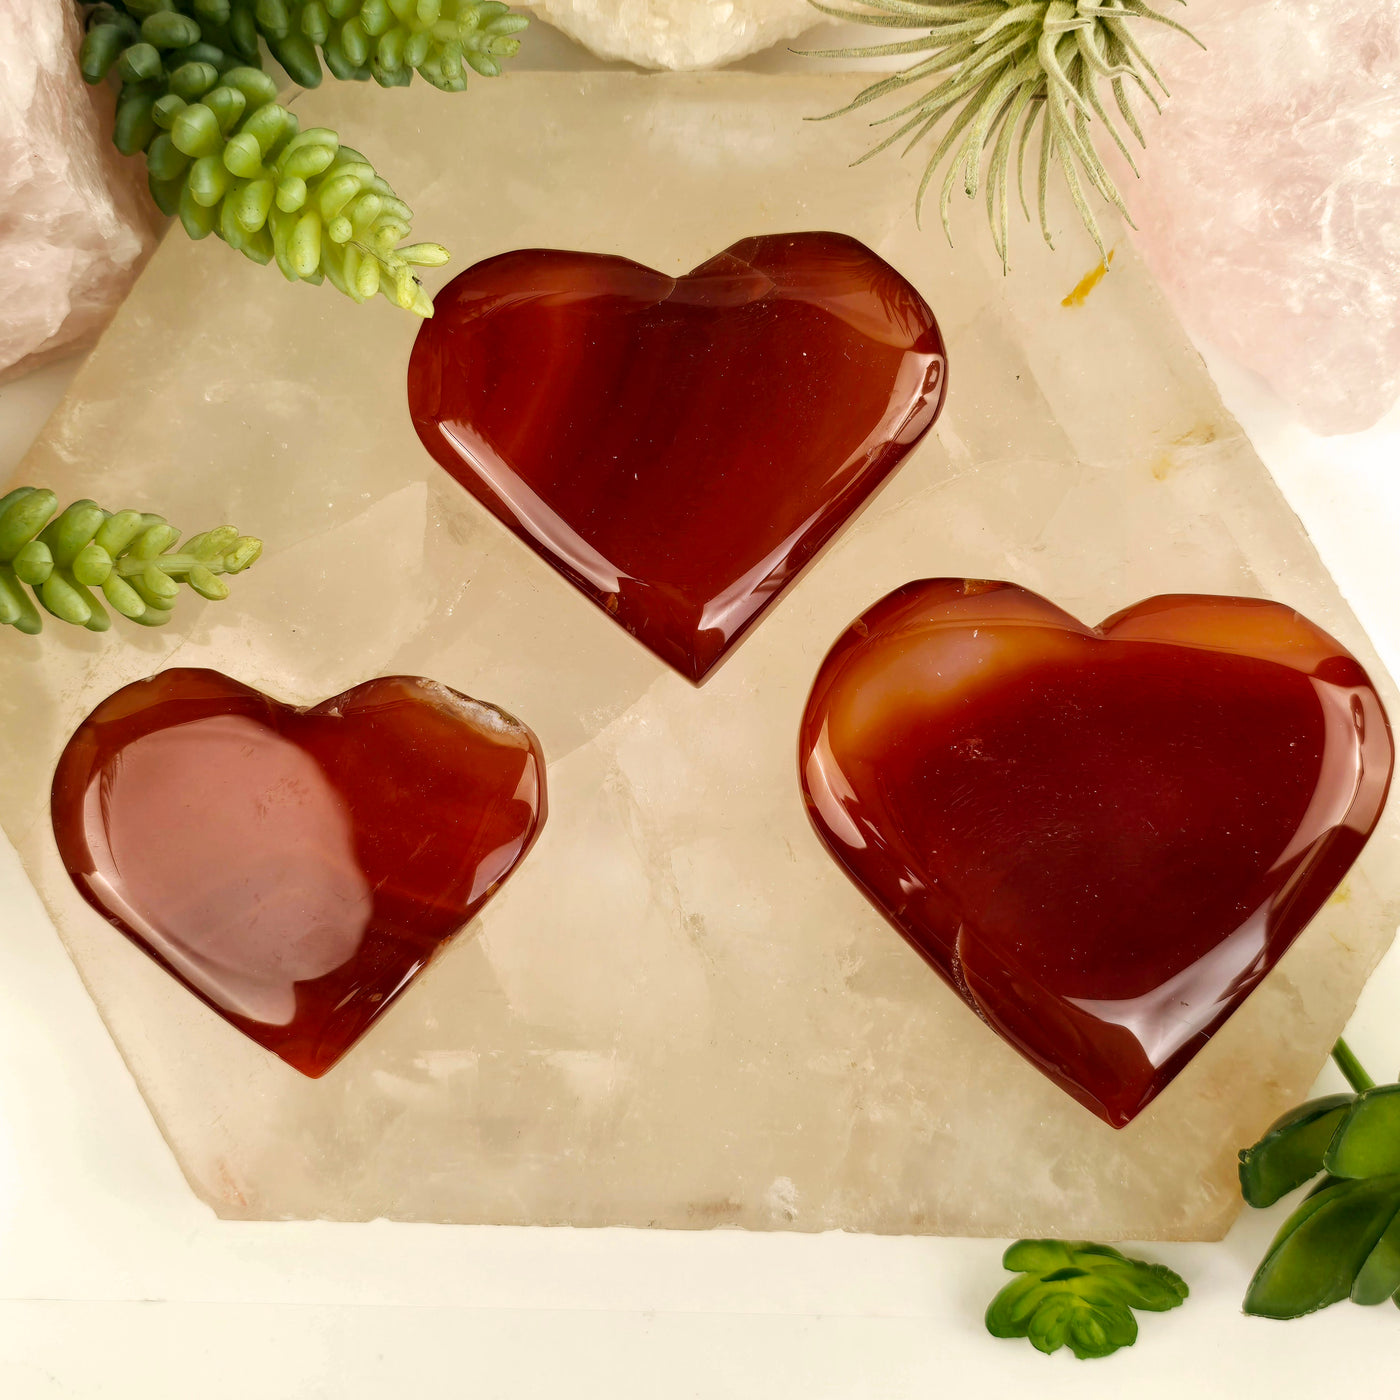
(125, 556)
(227, 158)
(1079, 1295)
(1343, 1241)
(987, 75)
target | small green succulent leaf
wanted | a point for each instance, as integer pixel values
(1079, 1295)
(1099, 1329)
(1367, 1141)
(1038, 1256)
(1379, 1277)
(1291, 1151)
(1319, 1255)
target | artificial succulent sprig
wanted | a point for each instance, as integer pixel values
(989, 74)
(1343, 1241)
(1079, 1295)
(228, 159)
(126, 556)
(389, 40)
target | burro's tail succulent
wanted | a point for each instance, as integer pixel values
(67, 559)
(225, 157)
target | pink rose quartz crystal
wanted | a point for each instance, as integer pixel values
(75, 223)
(1269, 204)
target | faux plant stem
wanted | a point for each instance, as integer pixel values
(389, 40)
(68, 558)
(227, 158)
(1351, 1067)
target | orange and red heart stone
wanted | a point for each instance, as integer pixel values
(295, 868)
(1101, 837)
(678, 447)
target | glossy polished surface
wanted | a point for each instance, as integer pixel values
(678, 447)
(1103, 838)
(295, 868)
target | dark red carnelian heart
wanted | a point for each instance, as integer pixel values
(1103, 838)
(295, 869)
(678, 448)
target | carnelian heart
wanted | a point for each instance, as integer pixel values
(678, 447)
(1103, 838)
(295, 869)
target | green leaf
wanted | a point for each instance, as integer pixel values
(1080, 1295)
(1319, 1255)
(1379, 1277)
(1291, 1151)
(1368, 1141)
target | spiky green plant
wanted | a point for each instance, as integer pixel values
(990, 74)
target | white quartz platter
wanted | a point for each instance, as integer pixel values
(678, 1012)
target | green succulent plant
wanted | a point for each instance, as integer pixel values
(67, 559)
(388, 40)
(1343, 1241)
(1079, 1295)
(225, 157)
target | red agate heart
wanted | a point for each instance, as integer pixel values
(678, 448)
(1103, 838)
(295, 869)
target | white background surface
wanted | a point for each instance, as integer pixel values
(116, 1282)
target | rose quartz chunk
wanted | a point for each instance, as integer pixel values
(75, 224)
(1269, 205)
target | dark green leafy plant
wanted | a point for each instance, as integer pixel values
(998, 71)
(1343, 1241)
(226, 158)
(126, 557)
(1079, 1295)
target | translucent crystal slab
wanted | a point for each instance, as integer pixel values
(679, 1012)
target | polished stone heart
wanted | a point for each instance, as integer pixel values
(295, 869)
(1103, 838)
(678, 448)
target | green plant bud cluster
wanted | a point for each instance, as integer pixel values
(389, 40)
(227, 158)
(68, 558)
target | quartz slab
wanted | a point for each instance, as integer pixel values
(678, 33)
(679, 1011)
(76, 223)
(1269, 204)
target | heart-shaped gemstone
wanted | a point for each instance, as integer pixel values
(678, 448)
(295, 868)
(1103, 838)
